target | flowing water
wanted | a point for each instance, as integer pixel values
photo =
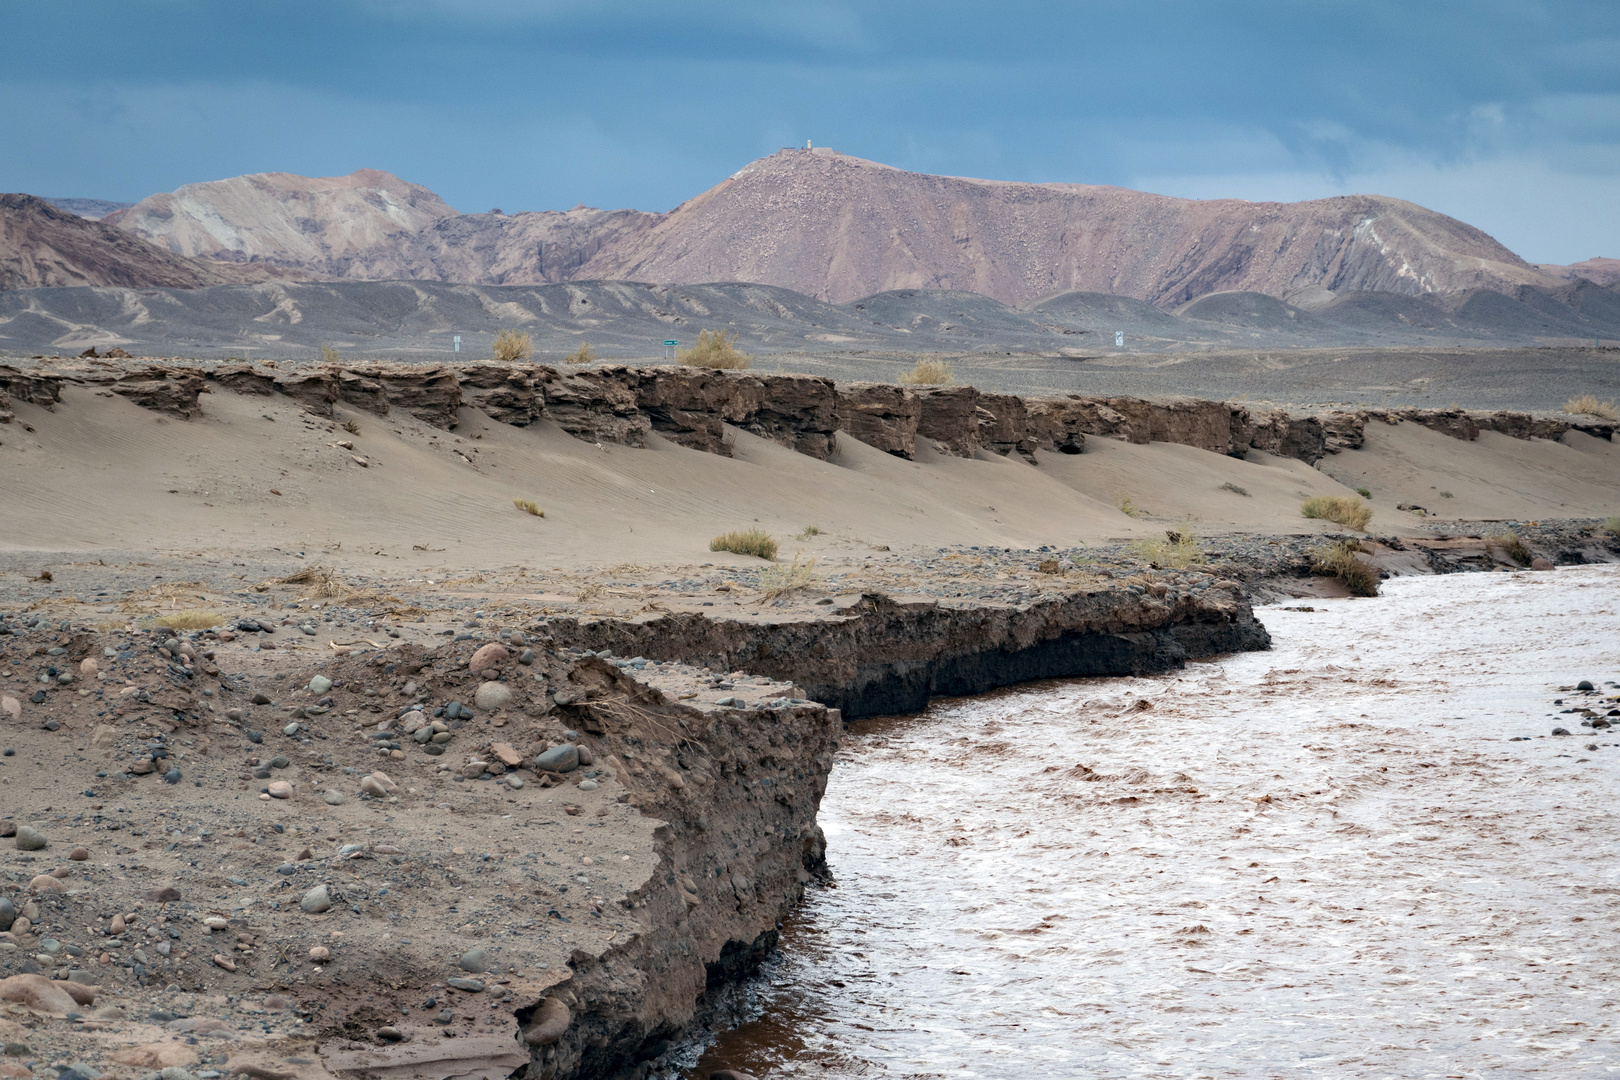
(1327, 859)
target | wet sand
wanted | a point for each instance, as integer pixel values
(1326, 859)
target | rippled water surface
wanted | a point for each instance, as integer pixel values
(1327, 859)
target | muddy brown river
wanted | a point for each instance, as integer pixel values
(1328, 859)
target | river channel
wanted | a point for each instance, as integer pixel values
(1327, 859)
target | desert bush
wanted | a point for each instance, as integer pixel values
(755, 542)
(529, 506)
(582, 355)
(1340, 561)
(1612, 525)
(1589, 405)
(1178, 549)
(1236, 489)
(1338, 508)
(352, 427)
(1126, 507)
(1365, 493)
(780, 580)
(1509, 544)
(808, 531)
(513, 345)
(191, 619)
(716, 349)
(929, 373)
(330, 355)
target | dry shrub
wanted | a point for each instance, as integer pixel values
(1178, 549)
(780, 580)
(352, 427)
(1338, 508)
(513, 345)
(1509, 544)
(1236, 489)
(582, 355)
(1340, 561)
(331, 355)
(716, 349)
(1126, 507)
(529, 506)
(755, 542)
(1612, 525)
(1589, 405)
(929, 373)
(191, 619)
(808, 531)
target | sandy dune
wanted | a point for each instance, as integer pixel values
(257, 474)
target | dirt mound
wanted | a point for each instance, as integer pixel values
(41, 245)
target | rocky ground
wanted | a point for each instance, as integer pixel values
(377, 823)
(240, 851)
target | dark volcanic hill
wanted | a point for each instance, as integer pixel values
(41, 245)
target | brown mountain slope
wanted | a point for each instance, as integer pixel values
(43, 246)
(1600, 270)
(839, 228)
(533, 248)
(309, 223)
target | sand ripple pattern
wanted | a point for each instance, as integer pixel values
(1321, 860)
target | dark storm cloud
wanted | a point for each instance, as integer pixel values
(535, 105)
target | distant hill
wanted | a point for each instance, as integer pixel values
(94, 209)
(629, 319)
(41, 245)
(839, 228)
(1598, 271)
(307, 224)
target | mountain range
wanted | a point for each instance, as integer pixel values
(838, 228)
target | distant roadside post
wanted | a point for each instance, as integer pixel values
(669, 349)
(456, 341)
(1119, 339)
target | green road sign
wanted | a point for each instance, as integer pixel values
(671, 344)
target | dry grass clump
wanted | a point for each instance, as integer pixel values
(808, 531)
(756, 542)
(929, 373)
(1178, 549)
(1509, 544)
(190, 619)
(1612, 525)
(780, 580)
(582, 355)
(352, 427)
(529, 506)
(1340, 561)
(1128, 508)
(513, 345)
(330, 355)
(716, 349)
(1236, 489)
(1589, 405)
(1338, 508)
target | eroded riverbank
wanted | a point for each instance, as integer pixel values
(1327, 858)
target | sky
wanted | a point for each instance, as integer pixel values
(1503, 114)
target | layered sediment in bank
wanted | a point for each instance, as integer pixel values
(691, 407)
(877, 655)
